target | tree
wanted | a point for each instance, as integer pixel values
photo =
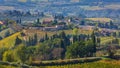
(62, 35)
(43, 51)
(75, 31)
(7, 33)
(38, 21)
(80, 49)
(35, 41)
(32, 40)
(75, 50)
(89, 47)
(57, 53)
(2, 50)
(94, 41)
(111, 51)
(30, 60)
(82, 22)
(8, 56)
(20, 53)
(46, 36)
(0, 38)
(98, 41)
(18, 41)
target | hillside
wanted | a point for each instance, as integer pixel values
(58, 1)
(9, 41)
(110, 1)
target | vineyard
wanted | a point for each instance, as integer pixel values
(105, 40)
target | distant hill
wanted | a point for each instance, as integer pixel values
(100, 0)
(58, 1)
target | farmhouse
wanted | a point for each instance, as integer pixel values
(47, 20)
(49, 29)
(60, 27)
(36, 28)
(107, 32)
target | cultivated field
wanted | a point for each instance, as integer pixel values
(104, 20)
(105, 40)
(9, 41)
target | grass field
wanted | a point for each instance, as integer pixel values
(9, 41)
(100, 19)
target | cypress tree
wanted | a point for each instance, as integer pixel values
(18, 41)
(46, 37)
(94, 41)
(35, 39)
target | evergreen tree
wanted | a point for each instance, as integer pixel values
(18, 41)
(94, 41)
(62, 35)
(46, 37)
(75, 31)
(7, 34)
(0, 38)
(35, 41)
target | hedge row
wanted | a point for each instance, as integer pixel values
(65, 62)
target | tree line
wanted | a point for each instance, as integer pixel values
(58, 46)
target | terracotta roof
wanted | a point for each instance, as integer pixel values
(48, 19)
